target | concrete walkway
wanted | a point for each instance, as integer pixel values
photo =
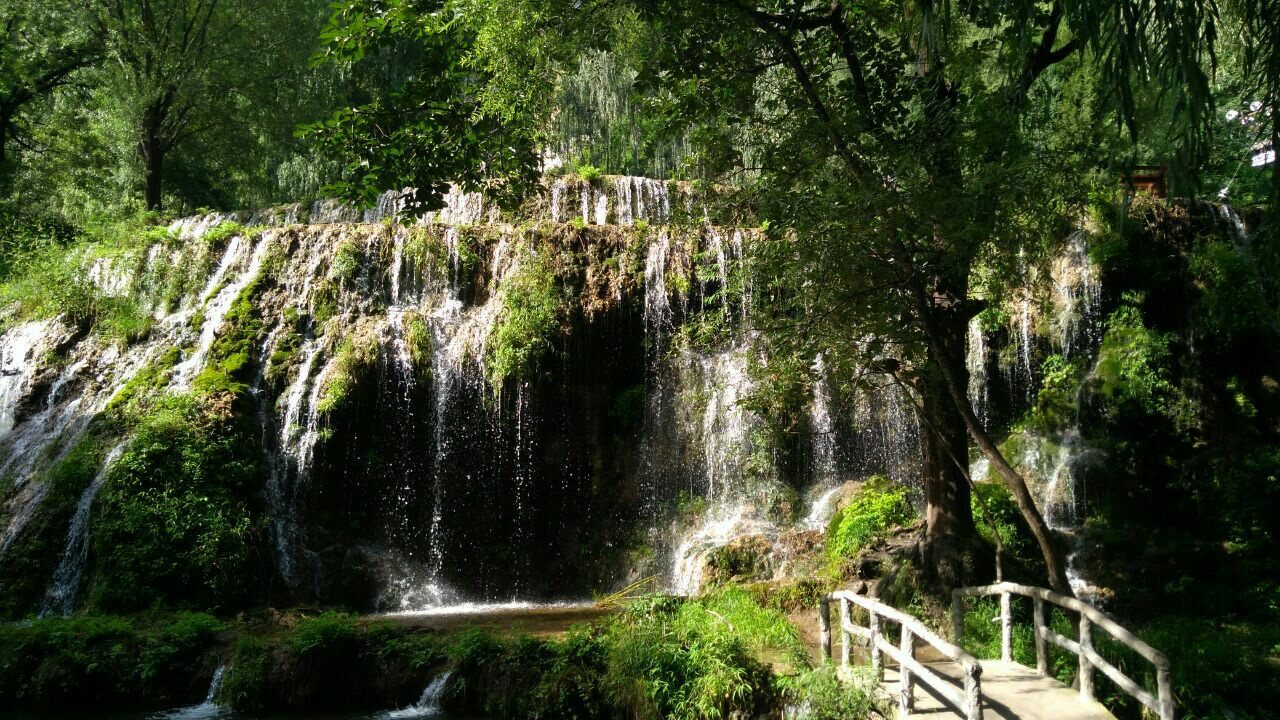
(1009, 692)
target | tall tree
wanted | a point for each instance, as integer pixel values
(901, 152)
(42, 45)
(178, 66)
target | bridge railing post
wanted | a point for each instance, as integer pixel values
(877, 657)
(1006, 627)
(846, 637)
(1086, 665)
(824, 625)
(1038, 629)
(906, 686)
(973, 691)
(1164, 692)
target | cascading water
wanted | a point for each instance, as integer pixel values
(207, 710)
(976, 364)
(474, 494)
(428, 706)
(1077, 295)
(61, 597)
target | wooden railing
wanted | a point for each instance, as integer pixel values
(1161, 703)
(968, 702)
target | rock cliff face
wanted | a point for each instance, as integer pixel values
(473, 407)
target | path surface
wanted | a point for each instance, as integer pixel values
(1009, 692)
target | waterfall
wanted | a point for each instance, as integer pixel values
(207, 710)
(218, 300)
(428, 706)
(976, 363)
(61, 597)
(17, 365)
(1077, 294)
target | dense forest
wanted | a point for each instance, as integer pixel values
(609, 358)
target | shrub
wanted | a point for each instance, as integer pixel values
(245, 682)
(590, 173)
(528, 322)
(877, 506)
(820, 694)
(173, 525)
(97, 661)
(330, 631)
(1133, 362)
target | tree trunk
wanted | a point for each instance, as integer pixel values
(153, 148)
(153, 157)
(952, 550)
(940, 327)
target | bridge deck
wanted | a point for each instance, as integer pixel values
(1009, 692)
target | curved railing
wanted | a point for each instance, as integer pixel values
(1161, 703)
(968, 702)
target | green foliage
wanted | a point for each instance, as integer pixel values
(877, 506)
(589, 173)
(346, 262)
(327, 632)
(220, 234)
(529, 321)
(245, 682)
(1230, 306)
(982, 634)
(52, 281)
(354, 358)
(1133, 362)
(95, 661)
(1221, 668)
(823, 695)
(1056, 401)
(668, 659)
(1018, 541)
(463, 113)
(173, 524)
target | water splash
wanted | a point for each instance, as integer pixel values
(428, 706)
(207, 710)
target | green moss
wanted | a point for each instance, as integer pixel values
(353, 359)
(876, 507)
(347, 260)
(528, 322)
(232, 355)
(174, 524)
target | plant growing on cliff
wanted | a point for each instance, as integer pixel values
(529, 321)
(353, 359)
(174, 523)
(877, 506)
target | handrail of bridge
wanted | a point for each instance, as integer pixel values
(1161, 703)
(968, 702)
